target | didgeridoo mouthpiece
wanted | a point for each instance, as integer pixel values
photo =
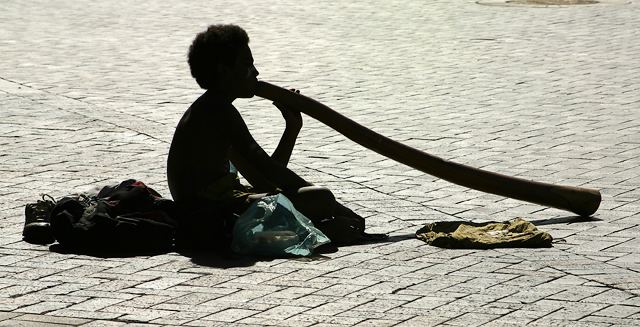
(581, 201)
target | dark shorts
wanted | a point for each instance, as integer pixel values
(227, 192)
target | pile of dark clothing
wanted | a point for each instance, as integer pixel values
(125, 217)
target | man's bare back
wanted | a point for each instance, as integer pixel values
(199, 153)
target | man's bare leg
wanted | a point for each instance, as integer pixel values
(319, 205)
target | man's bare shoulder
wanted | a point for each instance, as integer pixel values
(211, 116)
(206, 107)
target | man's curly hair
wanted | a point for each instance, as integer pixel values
(218, 44)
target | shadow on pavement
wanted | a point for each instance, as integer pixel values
(220, 258)
(228, 259)
(564, 220)
(101, 253)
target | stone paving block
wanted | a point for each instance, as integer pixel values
(280, 312)
(598, 321)
(610, 297)
(162, 283)
(429, 302)
(195, 308)
(200, 323)
(231, 315)
(575, 311)
(426, 321)
(95, 304)
(82, 314)
(577, 293)
(132, 314)
(178, 318)
(471, 319)
(22, 323)
(322, 320)
(9, 315)
(618, 311)
(51, 319)
(340, 290)
(105, 323)
(241, 296)
(43, 307)
(193, 298)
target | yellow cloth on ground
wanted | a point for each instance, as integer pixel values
(466, 235)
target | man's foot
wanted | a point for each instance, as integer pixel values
(37, 229)
(359, 224)
(341, 230)
(366, 237)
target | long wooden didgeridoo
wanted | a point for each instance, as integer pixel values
(581, 201)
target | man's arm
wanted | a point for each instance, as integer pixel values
(253, 176)
(282, 154)
(293, 120)
(247, 153)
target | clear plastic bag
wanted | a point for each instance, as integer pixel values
(273, 227)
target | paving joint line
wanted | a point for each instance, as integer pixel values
(582, 276)
(94, 116)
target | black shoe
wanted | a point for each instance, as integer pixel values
(37, 229)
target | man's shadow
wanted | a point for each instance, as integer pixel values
(226, 258)
(223, 257)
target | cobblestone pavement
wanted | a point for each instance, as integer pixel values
(90, 92)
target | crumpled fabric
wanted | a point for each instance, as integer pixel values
(124, 217)
(517, 233)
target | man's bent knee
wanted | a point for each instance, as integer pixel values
(315, 202)
(321, 194)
